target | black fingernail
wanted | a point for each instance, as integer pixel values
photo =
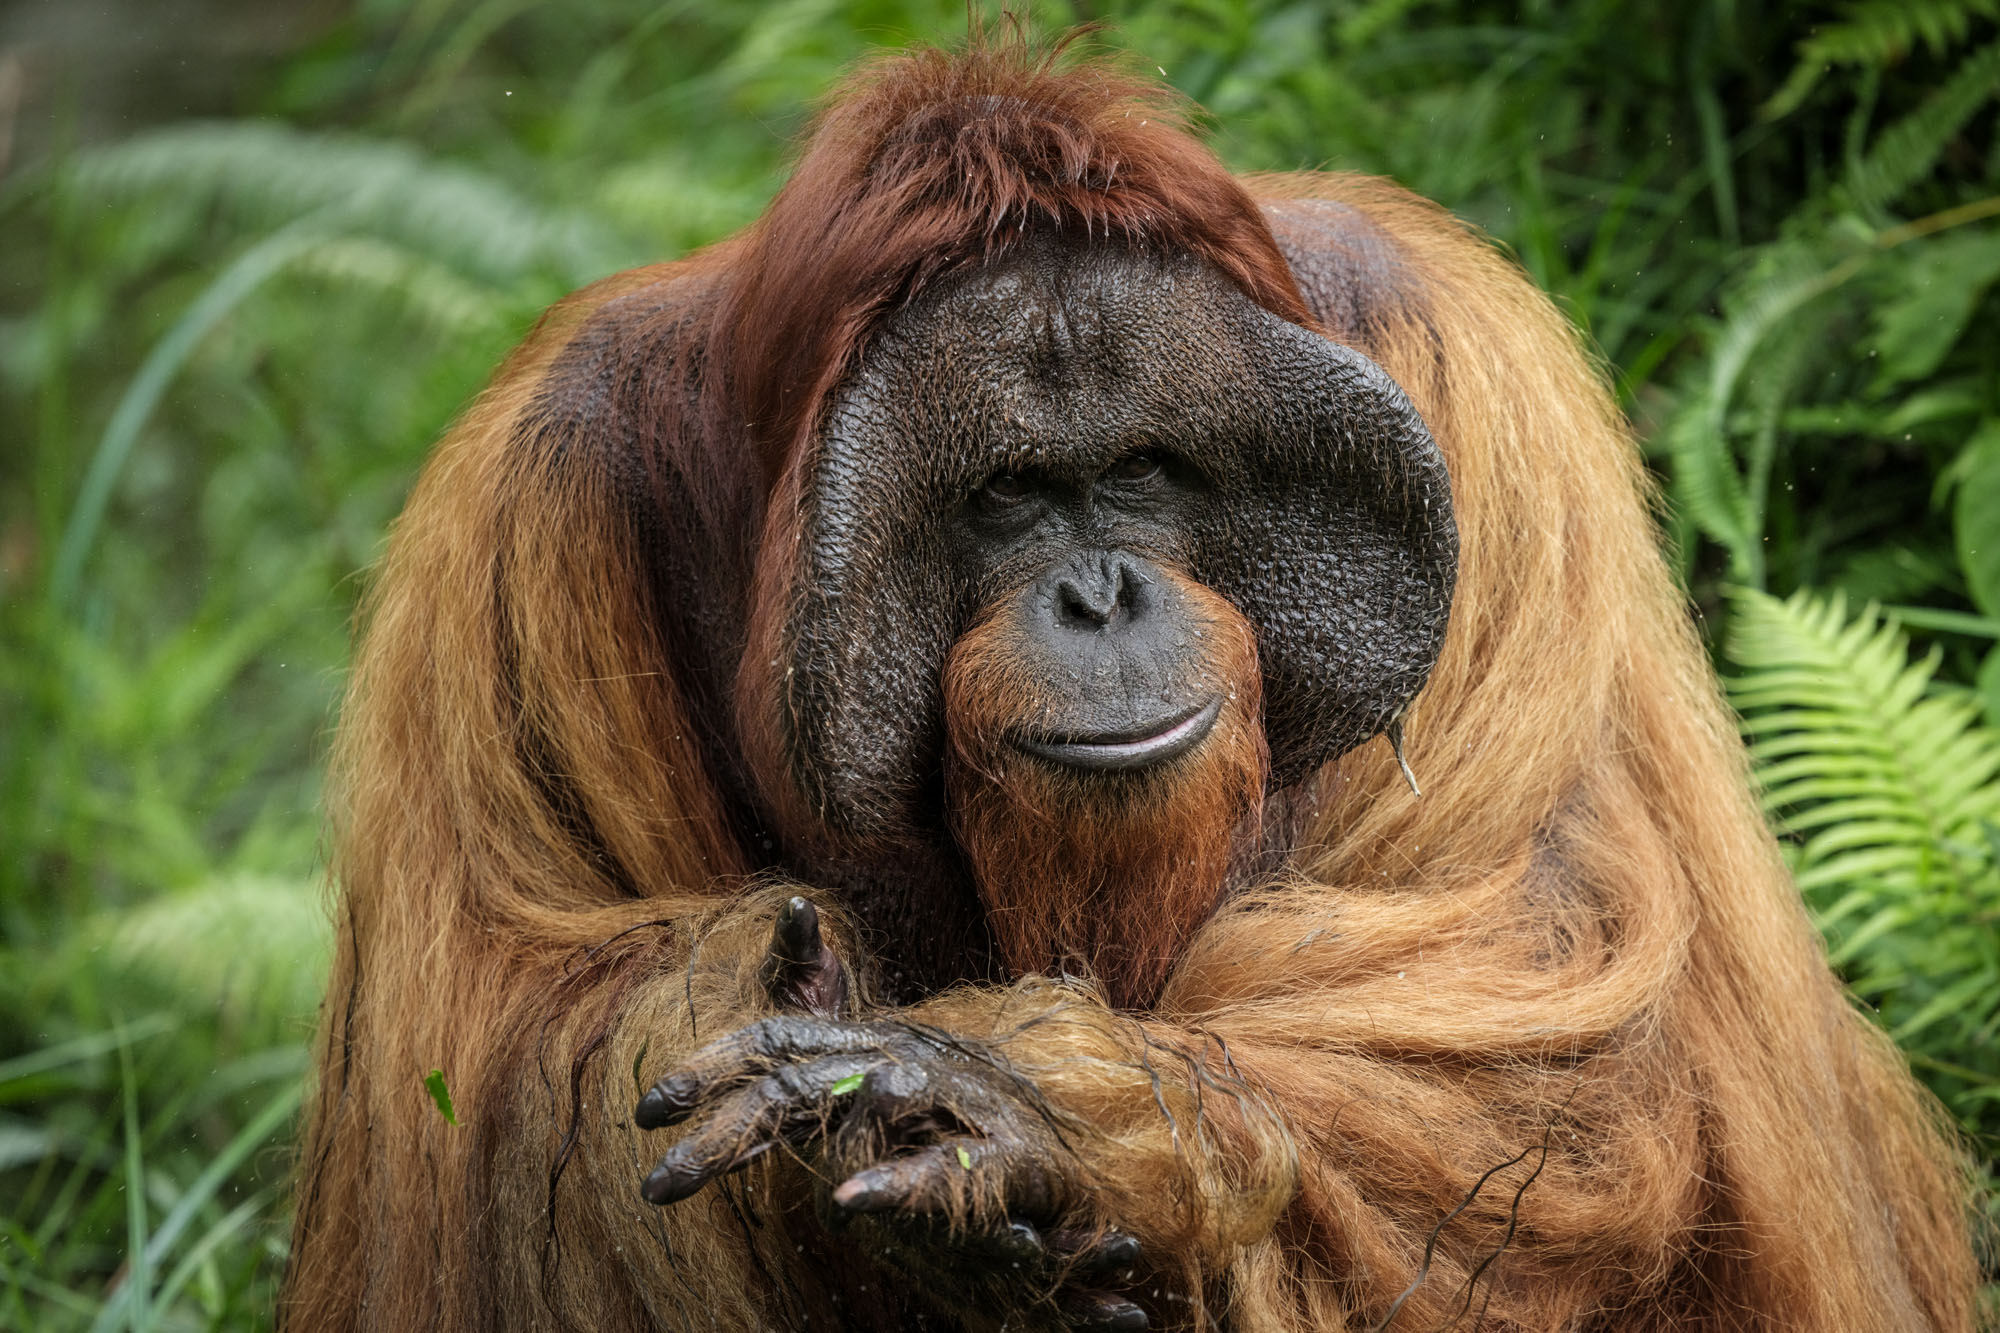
(669, 1183)
(1019, 1241)
(1113, 1314)
(1112, 1252)
(1122, 1317)
(798, 932)
(1119, 1251)
(670, 1102)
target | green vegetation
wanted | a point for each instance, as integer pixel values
(229, 343)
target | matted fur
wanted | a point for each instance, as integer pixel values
(1553, 1045)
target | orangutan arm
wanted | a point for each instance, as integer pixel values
(1348, 1102)
(904, 1143)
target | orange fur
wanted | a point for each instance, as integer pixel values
(1110, 879)
(1576, 963)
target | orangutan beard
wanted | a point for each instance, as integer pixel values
(1106, 875)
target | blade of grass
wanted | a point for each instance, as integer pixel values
(55, 1293)
(129, 1304)
(1946, 622)
(206, 1244)
(138, 1280)
(84, 1047)
(250, 271)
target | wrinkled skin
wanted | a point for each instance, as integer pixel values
(1289, 474)
(1071, 407)
(930, 1153)
(1037, 444)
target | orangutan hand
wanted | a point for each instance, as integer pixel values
(801, 972)
(930, 1152)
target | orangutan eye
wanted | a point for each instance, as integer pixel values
(1005, 488)
(1135, 467)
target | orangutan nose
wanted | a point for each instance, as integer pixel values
(1104, 590)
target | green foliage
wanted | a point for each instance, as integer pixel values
(1875, 34)
(440, 1096)
(260, 174)
(1888, 784)
(229, 342)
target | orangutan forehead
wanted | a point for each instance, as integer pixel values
(1055, 357)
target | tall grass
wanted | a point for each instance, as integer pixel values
(236, 339)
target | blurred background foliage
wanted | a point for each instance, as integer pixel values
(253, 258)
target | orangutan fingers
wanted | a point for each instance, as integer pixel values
(795, 940)
(1113, 1254)
(1017, 1244)
(801, 971)
(903, 1183)
(897, 1095)
(786, 1105)
(1101, 1312)
(946, 1177)
(681, 1174)
(731, 1061)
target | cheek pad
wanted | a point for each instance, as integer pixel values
(1338, 544)
(872, 619)
(1329, 526)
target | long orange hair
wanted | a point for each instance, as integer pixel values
(1552, 1046)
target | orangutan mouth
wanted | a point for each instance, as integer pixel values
(1140, 746)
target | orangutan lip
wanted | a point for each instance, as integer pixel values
(1150, 743)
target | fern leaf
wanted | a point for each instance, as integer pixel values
(1906, 152)
(431, 292)
(269, 173)
(1927, 299)
(1708, 486)
(1875, 34)
(273, 934)
(1834, 706)
(1887, 786)
(1723, 496)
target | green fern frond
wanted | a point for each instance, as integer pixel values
(428, 290)
(272, 935)
(1787, 278)
(1881, 773)
(1709, 484)
(270, 173)
(1880, 32)
(1875, 34)
(1906, 152)
(1887, 788)
(1928, 292)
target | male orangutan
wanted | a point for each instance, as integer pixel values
(863, 772)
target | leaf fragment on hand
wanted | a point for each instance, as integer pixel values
(440, 1096)
(964, 1157)
(847, 1085)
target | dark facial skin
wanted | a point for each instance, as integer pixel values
(1105, 635)
(1037, 442)
(1036, 439)
(1033, 440)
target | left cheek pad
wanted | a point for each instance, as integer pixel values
(849, 674)
(1341, 549)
